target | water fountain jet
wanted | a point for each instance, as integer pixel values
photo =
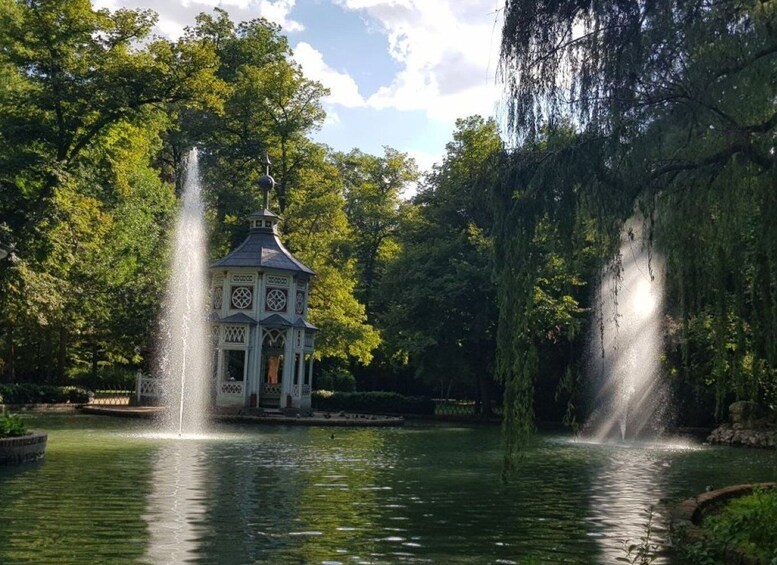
(626, 345)
(184, 359)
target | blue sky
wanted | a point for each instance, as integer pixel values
(400, 71)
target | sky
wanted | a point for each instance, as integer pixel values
(400, 72)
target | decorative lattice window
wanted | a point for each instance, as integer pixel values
(234, 334)
(243, 278)
(242, 297)
(218, 297)
(274, 339)
(299, 305)
(276, 299)
(275, 280)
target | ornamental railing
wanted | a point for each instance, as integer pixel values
(147, 387)
(271, 389)
(231, 387)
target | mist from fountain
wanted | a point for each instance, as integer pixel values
(632, 400)
(183, 357)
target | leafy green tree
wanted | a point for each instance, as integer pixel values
(79, 115)
(442, 312)
(319, 235)
(269, 107)
(373, 187)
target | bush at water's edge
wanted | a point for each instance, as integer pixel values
(372, 403)
(27, 393)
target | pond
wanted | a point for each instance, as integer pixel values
(107, 492)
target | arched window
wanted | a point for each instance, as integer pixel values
(273, 348)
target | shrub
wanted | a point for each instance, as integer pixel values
(106, 378)
(28, 393)
(372, 402)
(11, 426)
(747, 523)
(338, 380)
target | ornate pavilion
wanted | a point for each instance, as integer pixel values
(263, 353)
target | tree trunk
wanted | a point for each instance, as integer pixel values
(94, 359)
(62, 354)
(11, 354)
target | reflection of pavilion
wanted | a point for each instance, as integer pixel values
(263, 341)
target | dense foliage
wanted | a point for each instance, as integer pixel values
(372, 403)
(29, 393)
(669, 108)
(661, 107)
(745, 525)
(95, 119)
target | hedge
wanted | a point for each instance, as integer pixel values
(106, 378)
(372, 402)
(28, 393)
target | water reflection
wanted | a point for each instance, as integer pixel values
(624, 497)
(414, 494)
(175, 504)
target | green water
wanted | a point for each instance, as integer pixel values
(107, 494)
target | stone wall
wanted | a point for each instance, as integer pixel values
(22, 449)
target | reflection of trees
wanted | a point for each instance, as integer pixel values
(253, 494)
(447, 493)
(339, 496)
(268, 495)
(83, 504)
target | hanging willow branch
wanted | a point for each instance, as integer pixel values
(666, 100)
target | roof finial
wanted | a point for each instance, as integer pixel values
(266, 182)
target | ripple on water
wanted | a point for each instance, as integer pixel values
(278, 496)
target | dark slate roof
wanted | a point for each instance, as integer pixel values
(238, 318)
(304, 324)
(275, 321)
(263, 249)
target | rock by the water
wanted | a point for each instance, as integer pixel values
(744, 414)
(728, 435)
(749, 427)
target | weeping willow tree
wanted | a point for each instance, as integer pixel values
(669, 105)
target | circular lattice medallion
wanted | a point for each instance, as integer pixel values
(276, 299)
(241, 297)
(299, 307)
(218, 297)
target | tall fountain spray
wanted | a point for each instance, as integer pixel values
(626, 344)
(184, 359)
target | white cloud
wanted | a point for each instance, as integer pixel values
(448, 49)
(278, 12)
(343, 88)
(332, 118)
(425, 159)
(175, 15)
